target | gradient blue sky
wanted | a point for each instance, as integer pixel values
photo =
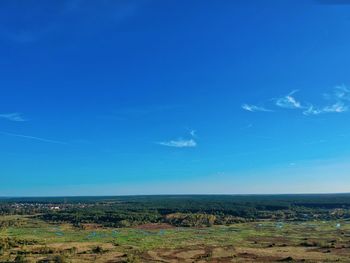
(157, 97)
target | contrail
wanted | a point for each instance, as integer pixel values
(32, 138)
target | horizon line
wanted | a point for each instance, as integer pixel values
(135, 195)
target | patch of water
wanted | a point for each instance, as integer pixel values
(92, 235)
(279, 225)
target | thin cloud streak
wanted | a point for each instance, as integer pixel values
(338, 107)
(342, 92)
(32, 138)
(13, 116)
(340, 98)
(338, 102)
(288, 101)
(254, 108)
(180, 143)
(193, 133)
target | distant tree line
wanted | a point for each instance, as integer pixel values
(198, 210)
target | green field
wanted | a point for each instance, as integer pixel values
(32, 240)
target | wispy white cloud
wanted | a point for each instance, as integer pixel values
(193, 133)
(342, 92)
(289, 101)
(14, 116)
(180, 143)
(340, 98)
(338, 107)
(338, 101)
(254, 108)
(312, 110)
(32, 138)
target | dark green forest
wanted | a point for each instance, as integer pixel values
(179, 210)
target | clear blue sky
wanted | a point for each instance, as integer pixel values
(156, 97)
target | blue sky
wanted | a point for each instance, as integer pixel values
(157, 97)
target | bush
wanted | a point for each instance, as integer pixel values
(59, 259)
(20, 259)
(97, 250)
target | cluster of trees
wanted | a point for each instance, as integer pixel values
(99, 215)
(183, 210)
(7, 243)
(190, 220)
(53, 256)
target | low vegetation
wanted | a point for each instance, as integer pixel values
(301, 228)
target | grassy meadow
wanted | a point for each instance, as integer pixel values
(33, 240)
